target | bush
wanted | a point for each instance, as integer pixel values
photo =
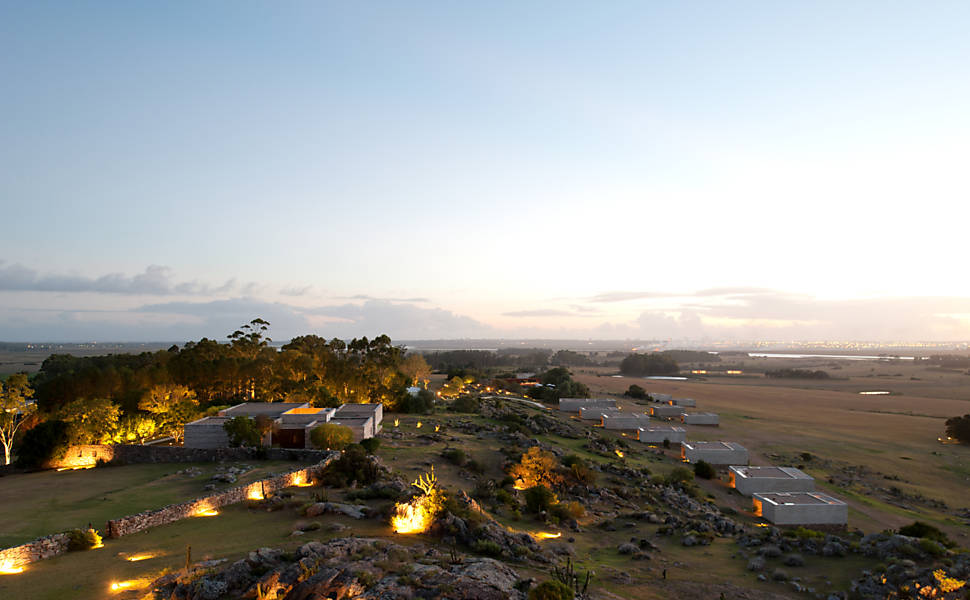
(455, 456)
(466, 404)
(636, 392)
(332, 437)
(539, 498)
(420, 403)
(932, 547)
(43, 443)
(353, 465)
(79, 539)
(242, 431)
(487, 547)
(679, 475)
(920, 529)
(551, 590)
(704, 470)
(370, 445)
(571, 510)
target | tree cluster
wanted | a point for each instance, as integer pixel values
(797, 374)
(958, 428)
(655, 363)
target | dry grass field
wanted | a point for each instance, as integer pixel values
(882, 454)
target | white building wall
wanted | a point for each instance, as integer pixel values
(685, 402)
(665, 411)
(716, 456)
(625, 421)
(754, 485)
(836, 513)
(574, 404)
(676, 435)
(595, 412)
(701, 419)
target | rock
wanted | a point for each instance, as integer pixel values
(833, 549)
(627, 548)
(779, 575)
(354, 512)
(756, 564)
(794, 560)
(209, 589)
(690, 540)
(770, 551)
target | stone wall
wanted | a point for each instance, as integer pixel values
(196, 508)
(88, 456)
(34, 550)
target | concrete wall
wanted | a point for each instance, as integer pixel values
(834, 513)
(660, 397)
(206, 433)
(625, 421)
(675, 435)
(752, 485)
(701, 419)
(685, 402)
(734, 456)
(665, 411)
(595, 412)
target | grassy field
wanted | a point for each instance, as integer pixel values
(38, 504)
(865, 444)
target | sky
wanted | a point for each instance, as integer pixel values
(621, 170)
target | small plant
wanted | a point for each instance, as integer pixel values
(371, 445)
(566, 575)
(551, 590)
(539, 498)
(487, 547)
(83, 539)
(704, 470)
(455, 456)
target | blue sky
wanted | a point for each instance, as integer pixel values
(502, 169)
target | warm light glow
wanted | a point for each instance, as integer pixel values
(7, 568)
(141, 557)
(122, 585)
(543, 535)
(418, 425)
(618, 453)
(520, 486)
(255, 494)
(397, 422)
(98, 545)
(416, 515)
(209, 512)
(76, 468)
(437, 428)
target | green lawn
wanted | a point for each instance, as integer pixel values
(38, 504)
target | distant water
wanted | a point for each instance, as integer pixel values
(666, 378)
(875, 393)
(835, 356)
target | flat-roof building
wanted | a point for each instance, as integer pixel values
(621, 421)
(656, 434)
(595, 412)
(706, 418)
(714, 453)
(657, 397)
(666, 411)
(273, 410)
(574, 404)
(800, 508)
(690, 402)
(207, 432)
(750, 480)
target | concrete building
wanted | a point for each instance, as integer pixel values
(656, 434)
(715, 453)
(292, 423)
(800, 508)
(574, 404)
(707, 418)
(595, 412)
(751, 480)
(621, 421)
(666, 411)
(687, 402)
(664, 398)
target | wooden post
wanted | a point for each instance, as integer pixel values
(188, 558)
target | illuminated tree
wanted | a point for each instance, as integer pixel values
(454, 387)
(15, 406)
(173, 407)
(243, 431)
(91, 420)
(134, 428)
(537, 467)
(331, 436)
(416, 370)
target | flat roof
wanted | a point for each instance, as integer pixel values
(662, 428)
(714, 446)
(701, 414)
(209, 421)
(797, 498)
(770, 472)
(263, 408)
(306, 411)
(358, 409)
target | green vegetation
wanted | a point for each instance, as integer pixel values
(83, 539)
(539, 498)
(657, 363)
(926, 531)
(636, 392)
(243, 431)
(466, 404)
(704, 470)
(958, 428)
(334, 437)
(46, 441)
(796, 374)
(421, 403)
(551, 590)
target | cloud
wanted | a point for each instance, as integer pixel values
(626, 296)
(400, 321)
(296, 291)
(542, 312)
(366, 297)
(156, 280)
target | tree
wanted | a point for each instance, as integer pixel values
(416, 370)
(422, 402)
(454, 387)
(242, 431)
(134, 428)
(331, 436)
(704, 470)
(636, 392)
(91, 420)
(173, 407)
(15, 407)
(958, 428)
(657, 363)
(46, 441)
(537, 467)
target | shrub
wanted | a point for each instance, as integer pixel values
(502, 495)
(539, 498)
(570, 510)
(704, 470)
(242, 431)
(551, 590)
(80, 539)
(679, 475)
(932, 547)
(475, 467)
(636, 392)
(924, 530)
(421, 403)
(455, 456)
(466, 404)
(353, 465)
(487, 547)
(45, 442)
(332, 436)
(370, 445)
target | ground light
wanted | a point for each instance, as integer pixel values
(7, 568)
(415, 516)
(618, 453)
(140, 557)
(545, 535)
(208, 512)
